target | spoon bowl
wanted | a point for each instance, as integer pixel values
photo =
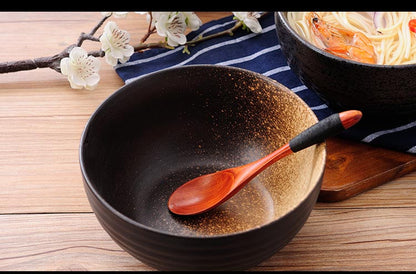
(219, 185)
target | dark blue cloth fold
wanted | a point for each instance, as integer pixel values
(260, 53)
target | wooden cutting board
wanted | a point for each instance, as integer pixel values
(353, 167)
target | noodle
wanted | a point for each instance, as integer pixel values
(390, 36)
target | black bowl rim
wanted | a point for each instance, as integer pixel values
(120, 215)
(286, 24)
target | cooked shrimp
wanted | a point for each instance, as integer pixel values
(341, 42)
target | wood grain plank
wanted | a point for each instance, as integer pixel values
(376, 239)
(39, 167)
(357, 239)
(51, 242)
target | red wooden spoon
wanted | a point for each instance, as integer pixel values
(208, 191)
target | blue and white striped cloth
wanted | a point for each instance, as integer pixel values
(260, 53)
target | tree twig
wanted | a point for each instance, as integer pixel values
(150, 29)
(90, 36)
(229, 31)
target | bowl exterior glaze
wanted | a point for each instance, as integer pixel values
(121, 159)
(232, 252)
(379, 91)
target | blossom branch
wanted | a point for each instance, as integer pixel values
(194, 41)
(82, 67)
(142, 47)
(229, 31)
(53, 62)
(150, 29)
(90, 36)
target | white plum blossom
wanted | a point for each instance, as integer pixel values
(115, 44)
(172, 25)
(192, 20)
(249, 19)
(81, 69)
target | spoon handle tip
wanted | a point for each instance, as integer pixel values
(350, 117)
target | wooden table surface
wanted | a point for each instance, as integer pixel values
(46, 222)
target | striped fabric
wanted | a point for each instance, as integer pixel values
(260, 53)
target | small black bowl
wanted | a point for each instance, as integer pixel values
(384, 93)
(165, 128)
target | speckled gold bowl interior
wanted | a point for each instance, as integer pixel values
(155, 134)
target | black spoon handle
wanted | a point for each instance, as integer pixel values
(330, 126)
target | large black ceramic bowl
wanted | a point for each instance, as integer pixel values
(381, 92)
(163, 129)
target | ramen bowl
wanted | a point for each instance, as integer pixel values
(165, 128)
(383, 93)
